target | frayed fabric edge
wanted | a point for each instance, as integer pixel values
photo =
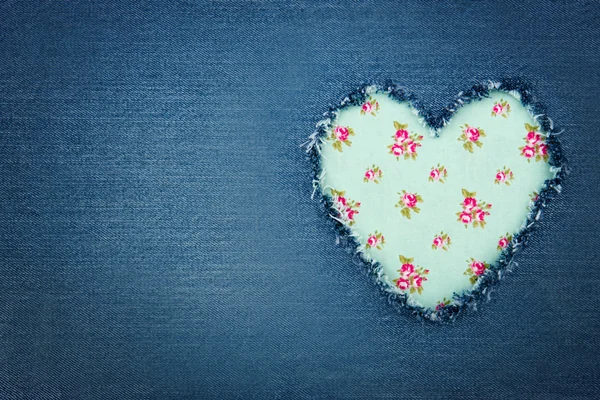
(481, 292)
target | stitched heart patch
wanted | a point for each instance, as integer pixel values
(436, 207)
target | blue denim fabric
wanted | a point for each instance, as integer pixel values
(157, 236)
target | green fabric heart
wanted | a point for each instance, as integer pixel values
(434, 209)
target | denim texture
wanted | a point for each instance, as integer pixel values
(157, 235)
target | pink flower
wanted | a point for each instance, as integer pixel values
(503, 242)
(341, 200)
(466, 218)
(341, 132)
(367, 107)
(469, 203)
(481, 215)
(435, 174)
(410, 200)
(543, 149)
(350, 213)
(412, 147)
(397, 150)
(498, 109)
(372, 241)
(533, 137)
(407, 269)
(403, 284)
(501, 176)
(477, 267)
(417, 281)
(438, 241)
(529, 151)
(439, 306)
(370, 174)
(401, 135)
(472, 133)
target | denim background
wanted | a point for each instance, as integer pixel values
(157, 236)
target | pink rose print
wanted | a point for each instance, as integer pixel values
(481, 215)
(397, 150)
(407, 269)
(504, 175)
(375, 241)
(535, 147)
(501, 108)
(402, 283)
(441, 241)
(411, 147)
(339, 135)
(350, 213)
(438, 173)
(471, 136)
(404, 143)
(408, 203)
(533, 137)
(528, 151)
(371, 106)
(401, 135)
(444, 303)
(466, 218)
(418, 281)
(411, 276)
(504, 241)
(473, 211)
(475, 269)
(373, 174)
(409, 199)
(347, 209)
(469, 203)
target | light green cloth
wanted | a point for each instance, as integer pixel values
(475, 172)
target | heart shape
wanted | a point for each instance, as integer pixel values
(437, 218)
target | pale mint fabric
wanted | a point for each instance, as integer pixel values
(501, 147)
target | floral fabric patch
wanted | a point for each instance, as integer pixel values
(455, 199)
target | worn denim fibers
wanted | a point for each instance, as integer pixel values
(157, 235)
